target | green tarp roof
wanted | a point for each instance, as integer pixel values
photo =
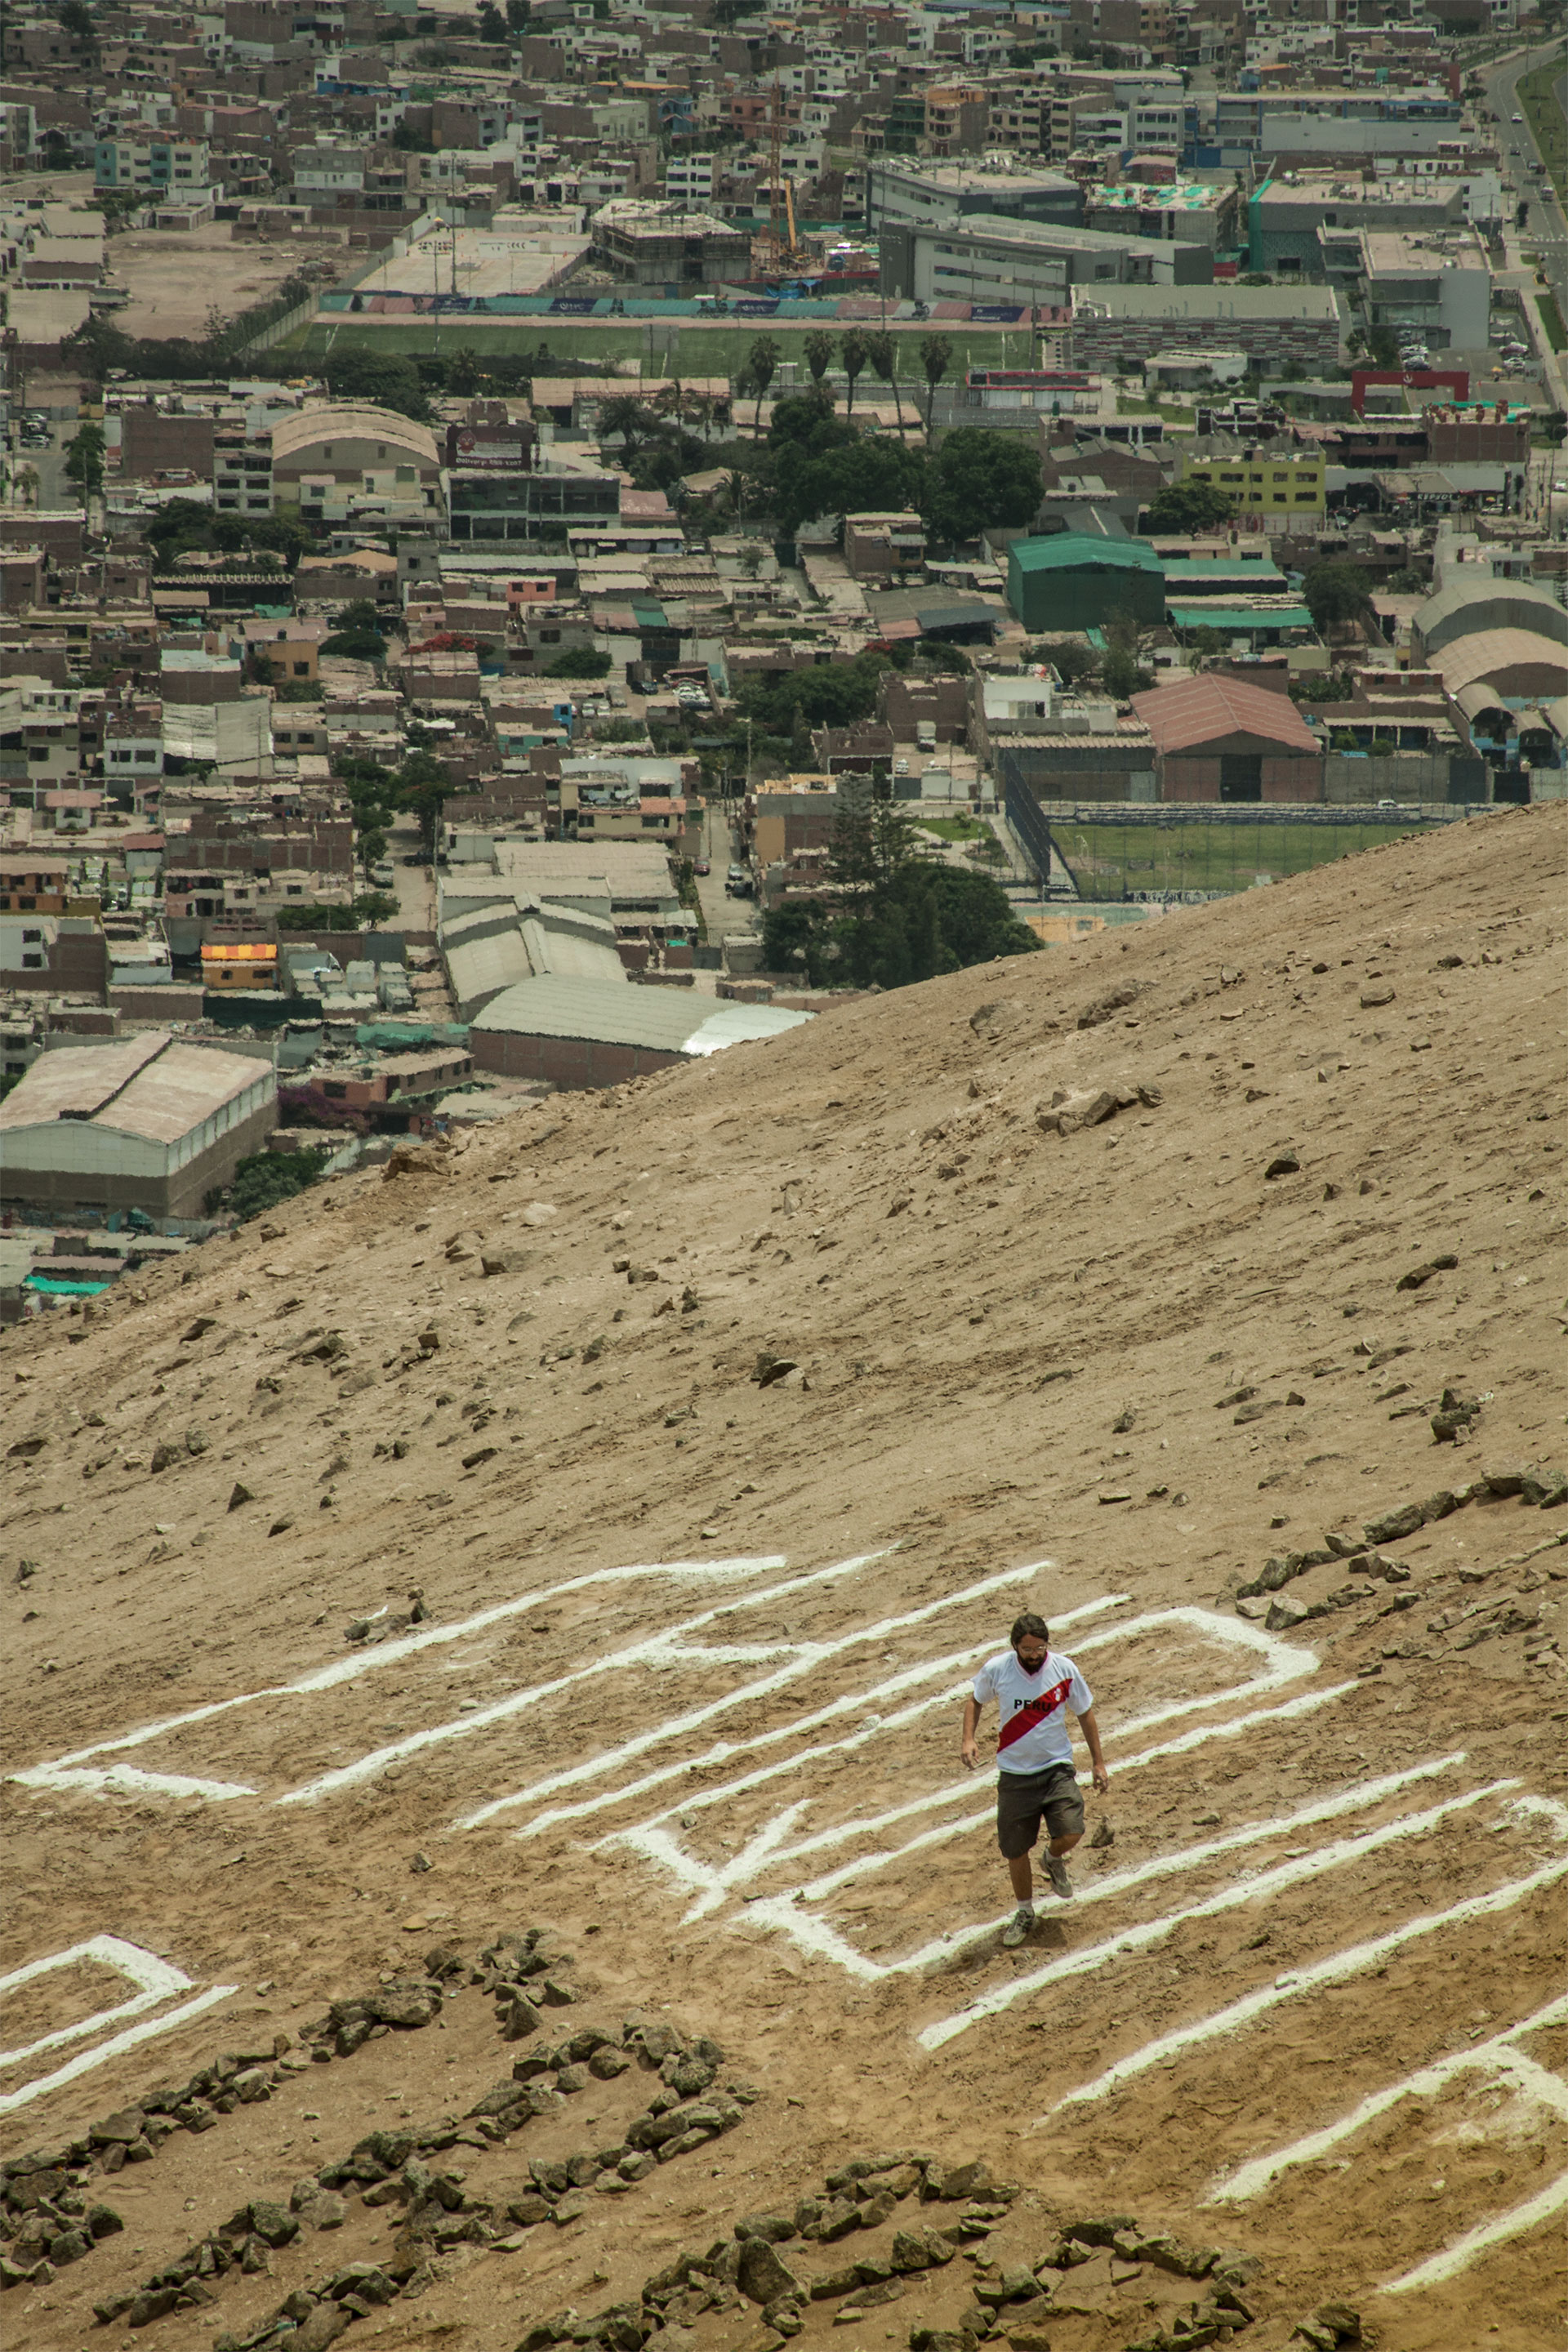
(1238, 620)
(1071, 551)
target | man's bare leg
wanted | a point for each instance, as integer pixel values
(1023, 1877)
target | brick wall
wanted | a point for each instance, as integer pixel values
(574, 1062)
(152, 444)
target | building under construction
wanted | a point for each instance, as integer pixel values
(668, 248)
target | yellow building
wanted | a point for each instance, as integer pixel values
(252, 965)
(1275, 485)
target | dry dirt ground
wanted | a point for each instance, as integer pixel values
(174, 276)
(687, 1691)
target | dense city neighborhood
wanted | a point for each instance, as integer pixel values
(543, 545)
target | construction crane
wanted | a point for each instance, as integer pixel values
(777, 252)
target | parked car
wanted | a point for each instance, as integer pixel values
(701, 866)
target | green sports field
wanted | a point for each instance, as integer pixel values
(1110, 860)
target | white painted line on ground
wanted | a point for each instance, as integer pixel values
(807, 1657)
(1228, 1899)
(154, 1978)
(1463, 2252)
(656, 1651)
(1503, 2065)
(1333, 1970)
(120, 2043)
(710, 1885)
(1500, 2055)
(723, 1751)
(824, 1941)
(364, 1662)
(125, 1780)
(815, 1890)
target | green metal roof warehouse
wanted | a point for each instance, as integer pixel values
(1074, 581)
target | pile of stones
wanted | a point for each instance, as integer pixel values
(1009, 2308)
(1363, 1556)
(405, 2166)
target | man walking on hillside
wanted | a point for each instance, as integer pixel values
(1034, 1685)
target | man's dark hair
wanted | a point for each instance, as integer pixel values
(1027, 1628)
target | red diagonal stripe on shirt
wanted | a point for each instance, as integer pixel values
(1028, 1717)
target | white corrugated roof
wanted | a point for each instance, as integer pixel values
(667, 1021)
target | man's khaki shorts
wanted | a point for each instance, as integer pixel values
(1023, 1798)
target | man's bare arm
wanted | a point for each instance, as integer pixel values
(966, 1746)
(1096, 1753)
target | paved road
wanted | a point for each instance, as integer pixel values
(1546, 231)
(725, 918)
(55, 488)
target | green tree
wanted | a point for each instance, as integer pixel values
(882, 350)
(355, 644)
(1120, 673)
(1383, 347)
(384, 379)
(580, 661)
(891, 915)
(628, 418)
(463, 370)
(936, 355)
(853, 355)
(265, 1178)
(422, 787)
(868, 476)
(761, 365)
(829, 694)
(818, 348)
(981, 481)
(1183, 506)
(1336, 591)
(84, 459)
(75, 19)
(518, 14)
(492, 23)
(1071, 661)
(365, 614)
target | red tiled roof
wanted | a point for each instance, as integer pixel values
(1181, 717)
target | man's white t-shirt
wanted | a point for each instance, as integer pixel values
(1034, 1732)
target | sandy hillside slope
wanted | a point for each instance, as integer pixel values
(591, 1530)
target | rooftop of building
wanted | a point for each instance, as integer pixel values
(154, 1086)
(1070, 550)
(1224, 300)
(965, 172)
(1421, 250)
(350, 420)
(608, 1013)
(1198, 710)
(1144, 195)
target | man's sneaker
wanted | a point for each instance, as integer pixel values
(1060, 1882)
(1018, 1926)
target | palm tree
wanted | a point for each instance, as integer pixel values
(936, 351)
(625, 415)
(852, 350)
(762, 361)
(882, 352)
(669, 401)
(818, 348)
(28, 482)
